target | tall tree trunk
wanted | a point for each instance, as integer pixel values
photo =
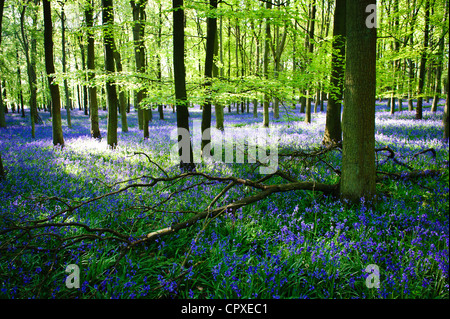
(184, 139)
(209, 63)
(31, 68)
(358, 120)
(19, 83)
(266, 66)
(2, 170)
(396, 63)
(50, 69)
(68, 101)
(440, 58)
(111, 92)
(310, 49)
(445, 120)
(93, 102)
(158, 58)
(2, 110)
(122, 100)
(333, 131)
(277, 46)
(423, 61)
(139, 18)
(218, 107)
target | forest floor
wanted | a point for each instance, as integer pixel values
(296, 244)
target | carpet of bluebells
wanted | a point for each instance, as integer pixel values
(290, 245)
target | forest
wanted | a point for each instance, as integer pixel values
(224, 149)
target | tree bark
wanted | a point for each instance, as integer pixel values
(2, 110)
(358, 120)
(218, 107)
(209, 63)
(122, 100)
(440, 58)
(423, 61)
(310, 49)
(139, 18)
(333, 131)
(50, 69)
(111, 93)
(265, 67)
(445, 119)
(93, 102)
(184, 146)
(158, 58)
(68, 101)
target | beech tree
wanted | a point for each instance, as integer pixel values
(111, 93)
(50, 68)
(209, 61)
(93, 103)
(139, 18)
(2, 111)
(358, 119)
(179, 72)
(423, 61)
(333, 131)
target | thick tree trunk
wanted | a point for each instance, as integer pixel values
(209, 64)
(184, 141)
(93, 103)
(111, 92)
(358, 121)
(50, 69)
(333, 131)
(139, 17)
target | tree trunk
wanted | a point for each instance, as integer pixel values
(139, 18)
(31, 69)
(445, 119)
(265, 67)
(209, 63)
(218, 107)
(184, 140)
(310, 49)
(2, 170)
(93, 102)
(50, 69)
(358, 120)
(2, 110)
(63, 46)
(333, 131)
(440, 54)
(111, 93)
(122, 100)
(19, 82)
(158, 59)
(423, 61)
